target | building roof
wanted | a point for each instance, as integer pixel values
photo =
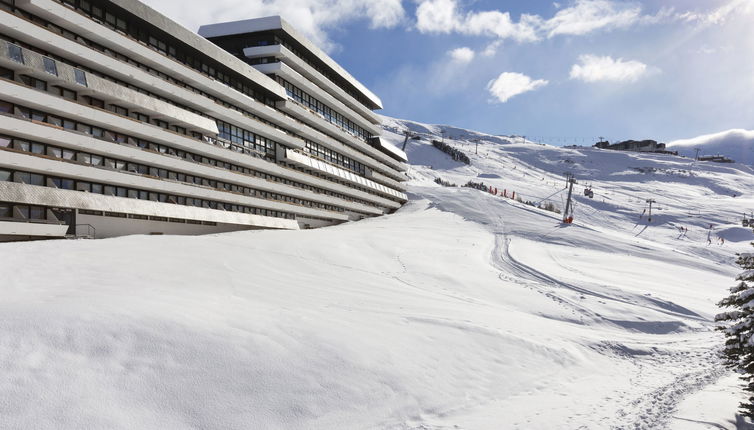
(199, 43)
(272, 23)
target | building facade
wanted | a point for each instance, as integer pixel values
(116, 120)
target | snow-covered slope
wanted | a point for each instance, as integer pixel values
(735, 144)
(463, 310)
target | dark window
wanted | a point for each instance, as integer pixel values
(37, 148)
(6, 73)
(34, 82)
(5, 175)
(21, 145)
(95, 102)
(15, 53)
(119, 110)
(66, 93)
(80, 76)
(5, 141)
(21, 211)
(37, 212)
(35, 179)
(50, 66)
(6, 107)
(5, 210)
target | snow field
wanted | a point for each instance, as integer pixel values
(463, 310)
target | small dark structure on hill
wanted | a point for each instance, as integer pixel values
(716, 159)
(636, 146)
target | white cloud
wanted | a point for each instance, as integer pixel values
(595, 69)
(443, 16)
(314, 18)
(462, 55)
(586, 16)
(491, 49)
(580, 17)
(510, 84)
(719, 15)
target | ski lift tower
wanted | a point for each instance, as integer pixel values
(651, 202)
(568, 212)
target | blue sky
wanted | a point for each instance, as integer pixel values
(560, 72)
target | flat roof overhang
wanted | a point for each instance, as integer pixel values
(276, 23)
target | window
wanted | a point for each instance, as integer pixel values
(37, 148)
(5, 141)
(21, 211)
(5, 210)
(80, 76)
(6, 107)
(63, 184)
(65, 93)
(119, 110)
(15, 53)
(6, 73)
(21, 145)
(29, 178)
(50, 66)
(37, 212)
(95, 102)
(5, 175)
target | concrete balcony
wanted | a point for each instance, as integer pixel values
(342, 174)
(14, 229)
(356, 149)
(28, 163)
(292, 76)
(83, 142)
(34, 34)
(286, 56)
(84, 83)
(60, 15)
(34, 195)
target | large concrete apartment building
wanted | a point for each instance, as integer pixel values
(116, 120)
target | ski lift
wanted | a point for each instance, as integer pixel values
(745, 222)
(589, 192)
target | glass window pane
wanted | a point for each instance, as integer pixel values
(35, 179)
(50, 66)
(21, 211)
(80, 76)
(37, 148)
(37, 212)
(54, 151)
(15, 53)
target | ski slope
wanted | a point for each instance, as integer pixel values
(463, 310)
